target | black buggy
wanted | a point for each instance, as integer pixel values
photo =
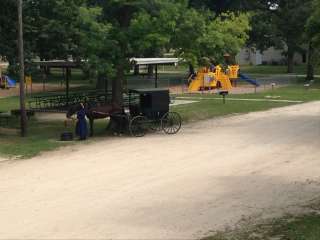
(148, 110)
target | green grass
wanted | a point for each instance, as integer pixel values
(215, 108)
(6, 104)
(305, 227)
(293, 92)
(44, 135)
(41, 136)
(268, 69)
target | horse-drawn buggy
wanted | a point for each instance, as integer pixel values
(143, 110)
(149, 111)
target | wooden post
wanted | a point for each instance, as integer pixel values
(156, 77)
(23, 115)
(67, 85)
(106, 89)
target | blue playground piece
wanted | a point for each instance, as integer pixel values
(249, 80)
(11, 83)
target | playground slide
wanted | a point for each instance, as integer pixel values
(11, 83)
(249, 80)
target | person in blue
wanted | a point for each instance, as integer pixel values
(81, 126)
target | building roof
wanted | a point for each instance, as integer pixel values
(154, 61)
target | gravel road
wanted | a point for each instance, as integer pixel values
(212, 174)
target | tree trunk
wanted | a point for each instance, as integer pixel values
(310, 68)
(290, 60)
(23, 114)
(117, 84)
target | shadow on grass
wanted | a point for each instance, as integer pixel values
(41, 136)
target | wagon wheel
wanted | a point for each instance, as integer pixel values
(171, 123)
(138, 126)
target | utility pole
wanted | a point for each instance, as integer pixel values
(23, 115)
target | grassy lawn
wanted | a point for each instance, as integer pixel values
(305, 227)
(6, 104)
(261, 69)
(215, 108)
(293, 92)
(205, 109)
(44, 135)
(268, 69)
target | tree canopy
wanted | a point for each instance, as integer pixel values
(281, 24)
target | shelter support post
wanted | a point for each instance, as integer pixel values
(67, 76)
(156, 76)
(106, 89)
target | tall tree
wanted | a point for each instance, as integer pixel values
(120, 13)
(8, 31)
(313, 34)
(139, 28)
(55, 32)
(23, 115)
(291, 29)
(201, 35)
(50, 29)
(280, 23)
(222, 6)
(96, 45)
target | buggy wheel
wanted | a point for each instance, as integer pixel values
(171, 123)
(138, 126)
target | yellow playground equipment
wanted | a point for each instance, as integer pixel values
(5, 81)
(206, 79)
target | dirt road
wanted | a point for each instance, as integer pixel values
(210, 175)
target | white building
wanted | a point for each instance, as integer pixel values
(251, 56)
